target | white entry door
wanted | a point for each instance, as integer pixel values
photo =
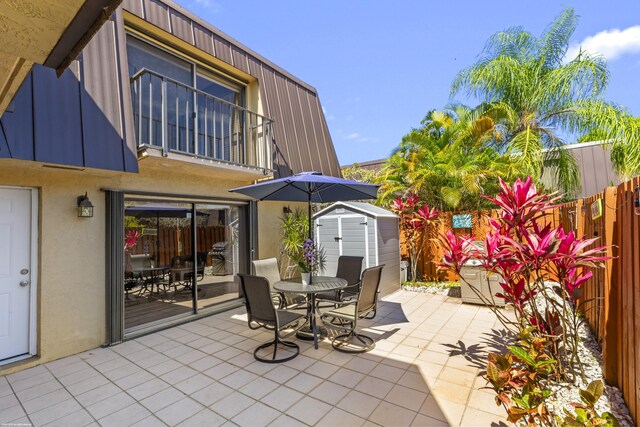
(15, 272)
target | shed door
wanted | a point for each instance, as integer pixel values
(327, 237)
(355, 238)
(342, 235)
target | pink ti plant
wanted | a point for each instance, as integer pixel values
(414, 222)
(527, 256)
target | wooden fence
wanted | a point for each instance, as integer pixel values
(611, 299)
(173, 241)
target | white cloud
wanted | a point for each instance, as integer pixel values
(609, 43)
(355, 136)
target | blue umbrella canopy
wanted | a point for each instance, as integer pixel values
(310, 187)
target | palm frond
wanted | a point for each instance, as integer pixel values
(553, 44)
(563, 167)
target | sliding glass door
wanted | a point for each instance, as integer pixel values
(180, 258)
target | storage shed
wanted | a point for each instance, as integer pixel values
(361, 229)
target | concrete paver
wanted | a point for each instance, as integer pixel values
(425, 369)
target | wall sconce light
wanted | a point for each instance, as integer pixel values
(286, 210)
(85, 207)
(636, 200)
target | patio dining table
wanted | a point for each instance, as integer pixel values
(318, 284)
(151, 276)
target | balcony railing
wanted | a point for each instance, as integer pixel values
(181, 119)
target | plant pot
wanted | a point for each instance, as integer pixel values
(306, 278)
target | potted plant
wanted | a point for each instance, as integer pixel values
(311, 261)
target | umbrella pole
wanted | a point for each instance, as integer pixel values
(310, 221)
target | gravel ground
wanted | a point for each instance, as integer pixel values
(591, 357)
(436, 290)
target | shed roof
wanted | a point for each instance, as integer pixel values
(365, 208)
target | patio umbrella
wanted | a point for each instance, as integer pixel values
(310, 187)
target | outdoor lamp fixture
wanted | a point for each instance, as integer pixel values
(85, 207)
(286, 210)
(636, 200)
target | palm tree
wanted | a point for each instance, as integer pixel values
(448, 161)
(538, 95)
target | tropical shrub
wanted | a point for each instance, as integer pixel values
(449, 161)
(529, 256)
(585, 411)
(520, 377)
(414, 222)
(294, 229)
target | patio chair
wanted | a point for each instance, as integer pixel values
(262, 314)
(349, 268)
(220, 260)
(268, 268)
(349, 312)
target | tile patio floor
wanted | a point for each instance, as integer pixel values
(423, 372)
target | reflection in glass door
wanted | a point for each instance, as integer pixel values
(218, 235)
(156, 240)
(175, 266)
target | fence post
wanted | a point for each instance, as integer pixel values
(611, 290)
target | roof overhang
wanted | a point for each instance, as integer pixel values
(376, 212)
(49, 32)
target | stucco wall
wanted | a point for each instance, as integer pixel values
(71, 283)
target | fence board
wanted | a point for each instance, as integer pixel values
(175, 241)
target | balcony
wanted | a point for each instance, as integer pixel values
(173, 118)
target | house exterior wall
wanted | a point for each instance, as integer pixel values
(83, 121)
(594, 166)
(71, 261)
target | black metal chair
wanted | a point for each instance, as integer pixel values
(348, 313)
(349, 268)
(262, 314)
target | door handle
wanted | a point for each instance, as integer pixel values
(24, 283)
(337, 239)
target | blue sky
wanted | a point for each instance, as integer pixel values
(380, 66)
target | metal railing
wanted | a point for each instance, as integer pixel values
(179, 118)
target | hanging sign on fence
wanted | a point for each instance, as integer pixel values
(596, 209)
(461, 221)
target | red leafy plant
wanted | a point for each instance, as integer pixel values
(541, 269)
(131, 239)
(414, 222)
